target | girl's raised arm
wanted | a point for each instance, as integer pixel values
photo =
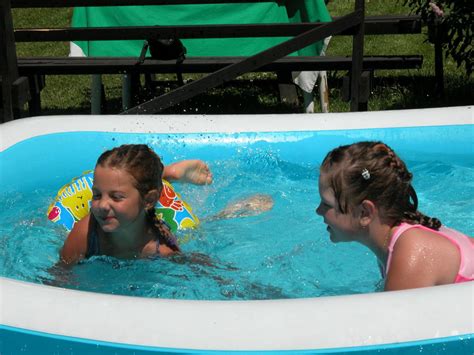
(191, 171)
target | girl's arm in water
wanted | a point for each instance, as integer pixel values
(73, 251)
(250, 206)
(75, 246)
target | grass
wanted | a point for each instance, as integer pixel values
(394, 89)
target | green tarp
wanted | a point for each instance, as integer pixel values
(291, 11)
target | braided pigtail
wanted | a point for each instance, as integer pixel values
(419, 218)
(165, 236)
(413, 216)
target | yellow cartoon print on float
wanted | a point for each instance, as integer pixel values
(72, 201)
(76, 198)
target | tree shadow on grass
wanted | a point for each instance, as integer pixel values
(236, 97)
(410, 92)
(420, 92)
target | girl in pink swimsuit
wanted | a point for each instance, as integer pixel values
(367, 197)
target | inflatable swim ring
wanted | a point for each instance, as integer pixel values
(73, 201)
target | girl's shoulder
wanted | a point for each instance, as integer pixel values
(422, 257)
(417, 237)
(417, 244)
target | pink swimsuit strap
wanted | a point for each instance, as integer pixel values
(462, 242)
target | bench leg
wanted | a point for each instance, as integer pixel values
(364, 89)
(126, 91)
(34, 105)
(37, 83)
(8, 108)
(20, 95)
(96, 94)
(130, 90)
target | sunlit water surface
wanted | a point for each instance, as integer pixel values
(284, 253)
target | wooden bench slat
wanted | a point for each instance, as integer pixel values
(113, 65)
(374, 25)
(75, 3)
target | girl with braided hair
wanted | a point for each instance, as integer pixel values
(122, 223)
(127, 185)
(367, 197)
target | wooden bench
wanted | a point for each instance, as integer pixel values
(222, 69)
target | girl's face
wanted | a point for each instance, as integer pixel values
(116, 203)
(342, 227)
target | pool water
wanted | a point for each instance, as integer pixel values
(283, 253)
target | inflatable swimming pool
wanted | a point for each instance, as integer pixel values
(44, 319)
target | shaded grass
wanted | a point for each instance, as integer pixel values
(393, 89)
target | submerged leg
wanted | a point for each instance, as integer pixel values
(250, 206)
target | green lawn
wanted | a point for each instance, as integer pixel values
(394, 89)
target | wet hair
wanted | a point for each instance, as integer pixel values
(372, 171)
(146, 168)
